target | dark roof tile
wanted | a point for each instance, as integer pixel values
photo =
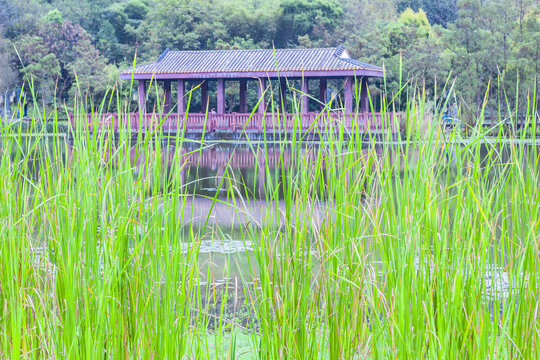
(268, 60)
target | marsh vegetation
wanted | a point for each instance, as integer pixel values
(424, 247)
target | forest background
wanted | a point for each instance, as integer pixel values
(480, 46)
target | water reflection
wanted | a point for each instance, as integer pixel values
(258, 176)
(254, 175)
(254, 172)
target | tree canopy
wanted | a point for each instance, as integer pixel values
(63, 45)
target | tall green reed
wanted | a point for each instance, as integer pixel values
(367, 249)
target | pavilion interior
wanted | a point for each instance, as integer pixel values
(286, 93)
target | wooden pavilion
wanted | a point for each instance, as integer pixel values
(259, 67)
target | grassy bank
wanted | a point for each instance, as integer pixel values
(424, 250)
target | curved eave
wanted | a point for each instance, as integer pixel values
(253, 74)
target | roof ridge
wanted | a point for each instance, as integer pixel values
(251, 50)
(167, 50)
(360, 63)
(339, 51)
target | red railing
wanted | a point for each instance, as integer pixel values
(235, 122)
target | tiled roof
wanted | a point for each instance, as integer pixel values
(239, 61)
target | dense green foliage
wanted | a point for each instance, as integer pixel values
(428, 250)
(473, 41)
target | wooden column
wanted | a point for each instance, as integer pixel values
(243, 96)
(364, 101)
(204, 96)
(142, 95)
(283, 94)
(167, 93)
(220, 96)
(305, 98)
(349, 95)
(181, 92)
(322, 92)
(262, 103)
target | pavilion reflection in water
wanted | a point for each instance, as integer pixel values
(255, 173)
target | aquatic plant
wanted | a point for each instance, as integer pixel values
(420, 246)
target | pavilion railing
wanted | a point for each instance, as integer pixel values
(236, 122)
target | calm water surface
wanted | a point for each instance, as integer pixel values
(257, 176)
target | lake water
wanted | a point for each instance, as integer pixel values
(257, 176)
